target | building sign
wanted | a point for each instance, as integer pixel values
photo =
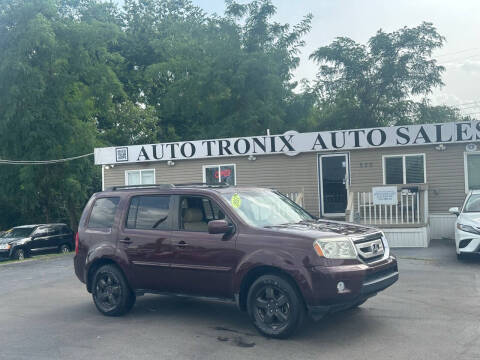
(384, 195)
(292, 143)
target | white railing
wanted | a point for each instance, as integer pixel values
(407, 211)
(293, 193)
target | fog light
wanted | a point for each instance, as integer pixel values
(340, 286)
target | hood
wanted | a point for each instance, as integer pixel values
(9, 240)
(470, 218)
(315, 229)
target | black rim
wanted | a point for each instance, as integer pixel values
(20, 255)
(108, 291)
(272, 307)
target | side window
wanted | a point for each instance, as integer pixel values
(41, 231)
(65, 230)
(53, 230)
(211, 210)
(197, 211)
(149, 212)
(103, 213)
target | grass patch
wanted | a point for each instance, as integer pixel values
(33, 258)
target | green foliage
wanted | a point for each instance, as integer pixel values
(376, 84)
(76, 74)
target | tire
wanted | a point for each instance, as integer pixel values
(64, 249)
(275, 306)
(19, 254)
(111, 294)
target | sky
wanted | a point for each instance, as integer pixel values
(457, 20)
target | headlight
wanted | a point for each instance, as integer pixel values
(335, 248)
(468, 228)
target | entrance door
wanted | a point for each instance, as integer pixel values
(333, 184)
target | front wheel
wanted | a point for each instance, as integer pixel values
(19, 254)
(111, 294)
(275, 306)
(64, 249)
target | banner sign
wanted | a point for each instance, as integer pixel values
(384, 195)
(293, 143)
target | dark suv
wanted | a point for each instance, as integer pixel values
(22, 241)
(251, 245)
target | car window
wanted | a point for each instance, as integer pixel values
(103, 213)
(472, 204)
(54, 230)
(149, 212)
(197, 211)
(65, 230)
(41, 231)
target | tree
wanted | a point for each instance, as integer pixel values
(55, 82)
(376, 84)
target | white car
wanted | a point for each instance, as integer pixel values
(467, 226)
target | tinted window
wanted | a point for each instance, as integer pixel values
(394, 170)
(148, 212)
(65, 230)
(41, 231)
(415, 171)
(103, 213)
(53, 230)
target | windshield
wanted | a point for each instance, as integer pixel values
(19, 232)
(472, 204)
(262, 208)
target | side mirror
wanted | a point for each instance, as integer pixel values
(454, 210)
(219, 227)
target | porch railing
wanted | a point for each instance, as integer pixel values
(294, 193)
(411, 208)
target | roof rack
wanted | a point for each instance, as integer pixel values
(222, 184)
(150, 186)
(165, 186)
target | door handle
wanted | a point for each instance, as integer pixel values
(126, 241)
(182, 244)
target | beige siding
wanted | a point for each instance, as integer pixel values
(444, 171)
(285, 173)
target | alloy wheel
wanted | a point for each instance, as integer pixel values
(108, 291)
(272, 307)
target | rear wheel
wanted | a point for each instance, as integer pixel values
(19, 254)
(64, 249)
(275, 307)
(111, 294)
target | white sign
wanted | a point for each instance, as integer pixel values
(292, 143)
(385, 195)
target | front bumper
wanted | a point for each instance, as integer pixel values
(361, 282)
(467, 242)
(5, 253)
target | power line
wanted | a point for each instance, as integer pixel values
(42, 162)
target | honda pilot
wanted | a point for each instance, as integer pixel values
(250, 245)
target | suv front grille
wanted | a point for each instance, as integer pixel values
(370, 250)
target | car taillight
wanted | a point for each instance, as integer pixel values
(76, 244)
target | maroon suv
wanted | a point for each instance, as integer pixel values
(251, 245)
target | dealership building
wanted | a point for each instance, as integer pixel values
(402, 179)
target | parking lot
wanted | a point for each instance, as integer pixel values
(433, 312)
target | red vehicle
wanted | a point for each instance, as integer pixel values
(250, 245)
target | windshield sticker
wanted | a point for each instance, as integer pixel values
(236, 201)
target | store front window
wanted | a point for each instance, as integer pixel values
(472, 176)
(215, 174)
(404, 169)
(140, 177)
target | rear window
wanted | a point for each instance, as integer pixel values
(149, 212)
(103, 213)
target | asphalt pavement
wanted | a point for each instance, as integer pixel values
(432, 312)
